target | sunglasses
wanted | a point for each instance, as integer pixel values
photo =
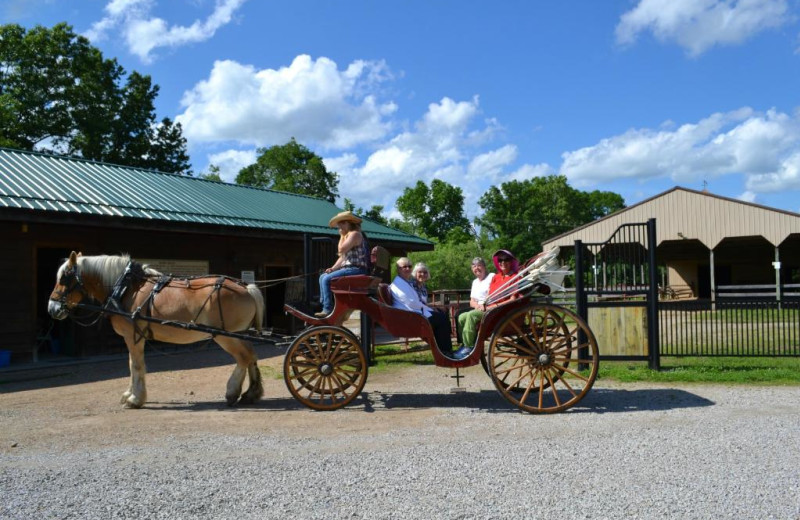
(404, 266)
(504, 259)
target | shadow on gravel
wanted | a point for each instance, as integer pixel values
(598, 401)
(76, 371)
(607, 400)
(274, 404)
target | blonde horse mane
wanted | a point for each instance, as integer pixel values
(108, 268)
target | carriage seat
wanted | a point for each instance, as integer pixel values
(385, 294)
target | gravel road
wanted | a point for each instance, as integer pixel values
(407, 448)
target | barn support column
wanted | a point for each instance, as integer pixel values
(777, 265)
(713, 282)
(308, 289)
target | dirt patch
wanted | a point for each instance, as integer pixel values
(58, 405)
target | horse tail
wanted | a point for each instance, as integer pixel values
(255, 292)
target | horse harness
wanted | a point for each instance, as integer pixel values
(133, 277)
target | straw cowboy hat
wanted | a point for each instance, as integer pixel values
(344, 216)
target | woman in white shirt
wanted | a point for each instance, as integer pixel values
(468, 321)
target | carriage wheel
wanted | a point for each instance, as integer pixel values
(325, 368)
(537, 362)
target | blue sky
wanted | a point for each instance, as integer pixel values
(632, 96)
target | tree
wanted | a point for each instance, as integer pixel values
(602, 203)
(169, 151)
(520, 215)
(59, 95)
(212, 174)
(374, 213)
(449, 264)
(291, 167)
(436, 212)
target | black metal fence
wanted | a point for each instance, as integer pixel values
(730, 327)
(621, 272)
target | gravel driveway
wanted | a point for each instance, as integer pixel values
(408, 448)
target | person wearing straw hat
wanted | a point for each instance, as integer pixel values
(352, 260)
(500, 291)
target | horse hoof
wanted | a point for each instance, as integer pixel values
(231, 400)
(124, 398)
(247, 399)
(133, 402)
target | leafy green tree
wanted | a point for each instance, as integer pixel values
(58, 94)
(602, 203)
(374, 213)
(449, 264)
(291, 167)
(212, 174)
(169, 153)
(520, 215)
(436, 212)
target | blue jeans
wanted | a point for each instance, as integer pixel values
(325, 293)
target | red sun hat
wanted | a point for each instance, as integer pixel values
(514, 261)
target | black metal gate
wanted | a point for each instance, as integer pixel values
(618, 273)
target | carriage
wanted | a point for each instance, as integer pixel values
(541, 357)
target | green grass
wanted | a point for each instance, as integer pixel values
(749, 315)
(267, 372)
(732, 370)
(388, 357)
(776, 371)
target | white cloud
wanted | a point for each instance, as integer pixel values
(747, 196)
(698, 25)
(529, 171)
(491, 164)
(344, 162)
(785, 177)
(231, 161)
(144, 33)
(446, 143)
(310, 100)
(761, 146)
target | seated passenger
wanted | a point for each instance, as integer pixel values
(500, 291)
(405, 297)
(352, 259)
(507, 268)
(468, 321)
(419, 278)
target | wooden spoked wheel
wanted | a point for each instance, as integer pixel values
(325, 368)
(543, 358)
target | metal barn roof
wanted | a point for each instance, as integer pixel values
(49, 183)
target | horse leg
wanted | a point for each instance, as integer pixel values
(246, 364)
(136, 395)
(256, 389)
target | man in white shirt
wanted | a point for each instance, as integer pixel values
(405, 297)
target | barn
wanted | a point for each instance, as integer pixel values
(710, 246)
(52, 205)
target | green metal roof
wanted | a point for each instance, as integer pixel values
(40, 182)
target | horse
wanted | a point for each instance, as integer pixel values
(129, 290)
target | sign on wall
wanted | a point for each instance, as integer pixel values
(178, 267)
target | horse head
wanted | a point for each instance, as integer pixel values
(69, 289)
